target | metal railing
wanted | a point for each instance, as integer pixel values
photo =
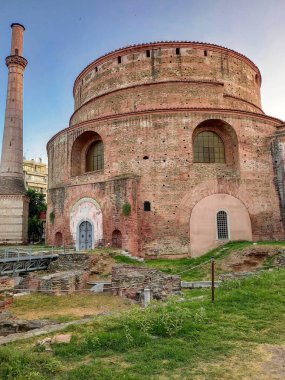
(18, 254)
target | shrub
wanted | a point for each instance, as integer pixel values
(52, 216)
(127, 209)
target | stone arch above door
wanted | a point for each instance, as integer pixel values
(86, 209)
(203, 222)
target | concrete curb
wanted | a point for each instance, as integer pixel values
(43, 330)
(199, 284)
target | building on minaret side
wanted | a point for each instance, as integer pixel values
(14, 203)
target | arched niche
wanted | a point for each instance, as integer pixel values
(225, 133)
(79, 151)
(86, 210)
(58, 240)
(203, 222)
(117, 239)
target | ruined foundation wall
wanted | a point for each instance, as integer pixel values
(129, 281)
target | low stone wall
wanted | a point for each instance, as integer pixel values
(94, 263)
(56, 283)
(70, 261)
(13, 326)
(281, 260)
(130, 281)
(5, 303)
(7, 283)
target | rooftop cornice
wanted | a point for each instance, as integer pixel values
(137, 47)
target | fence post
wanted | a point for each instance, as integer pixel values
(147, 296)
(213, 278)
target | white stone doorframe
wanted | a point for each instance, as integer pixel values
(86, 209)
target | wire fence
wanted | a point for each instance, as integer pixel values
(196, 266)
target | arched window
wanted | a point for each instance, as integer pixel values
(95, 157)
(209, 147)
(222, 226)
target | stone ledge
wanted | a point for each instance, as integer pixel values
(199, 284)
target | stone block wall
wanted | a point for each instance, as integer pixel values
(13, 219)
(72, 261)
(92, 263)
(130, 281)
(5, 303)
(60, 283)
(6, 283)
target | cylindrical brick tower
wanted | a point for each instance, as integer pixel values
(174, 134)
(12, 190)
(12, 148)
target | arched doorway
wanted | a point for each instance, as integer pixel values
(85, 236)
(117, 239)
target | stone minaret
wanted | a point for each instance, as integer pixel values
(13, 201)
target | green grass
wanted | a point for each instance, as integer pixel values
(195, 269)
(66, 308)
(127, 260)
(182, 340)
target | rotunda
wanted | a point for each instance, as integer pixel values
(168, 153)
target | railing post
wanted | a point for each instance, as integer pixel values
(213, 278)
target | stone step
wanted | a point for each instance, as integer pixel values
(199, 284)
(127, 254)
(100, 286)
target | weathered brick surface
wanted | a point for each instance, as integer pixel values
(5, 303)
(129, 281)
(147, 110)
(13, 202)
(80, 261)
(6, 283)
(59, 283)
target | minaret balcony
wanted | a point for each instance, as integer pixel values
(16, 60)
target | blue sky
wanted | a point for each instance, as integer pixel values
(63, 36)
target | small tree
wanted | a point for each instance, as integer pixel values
(37, 205)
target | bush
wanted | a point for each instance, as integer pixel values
(127, 209)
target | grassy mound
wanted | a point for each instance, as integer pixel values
(192, 339)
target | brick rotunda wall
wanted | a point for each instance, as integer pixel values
(147, 104)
